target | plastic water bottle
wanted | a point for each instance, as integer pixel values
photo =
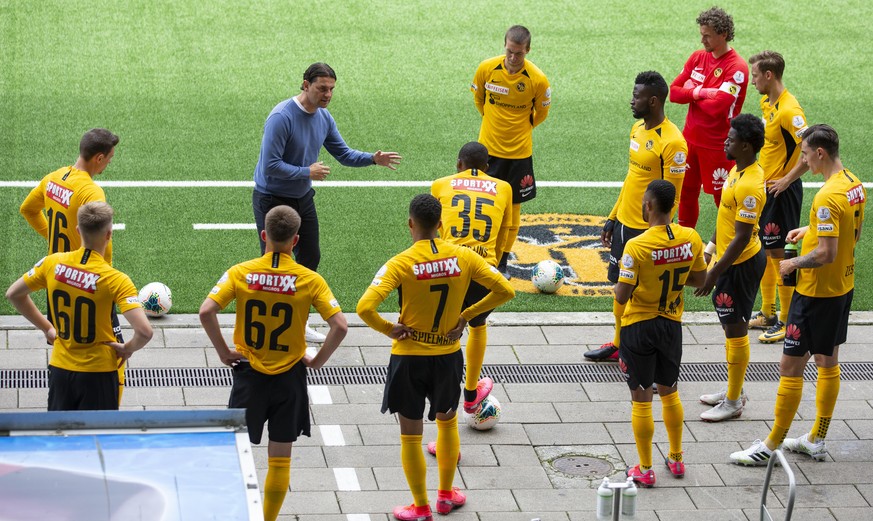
(629, 499)
(790, 253)
(604, 500)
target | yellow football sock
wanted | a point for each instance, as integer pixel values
(121, 381)
(476, 343)
(785, 294)
(768, 287)
(644, 429)
(787, 402)
(737, 362)
(617, 312)
(276, 486)
(674, 416)
(512, 229)
(448, 446)
(827, 390)
(414, 467)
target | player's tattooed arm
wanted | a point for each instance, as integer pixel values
(807, 261)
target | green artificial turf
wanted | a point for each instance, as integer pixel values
(187, 86)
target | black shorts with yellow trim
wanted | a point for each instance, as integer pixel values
(735, 290)
(650, 352)
(82, 391)
(518, 173)
(620, 235)
(412, 379)
(279, 400)
(816, 324)
(780, 215)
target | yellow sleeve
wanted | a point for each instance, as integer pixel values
(126, 296)
(542, 102)
(506, 194)
(699, 263)
(478, 90)
(323, 300)
(629, 265)
(750, 199)
(32, 209)
(613, 214)
(794, 121)
(35, 278)
(828, 212)
(224, 291)
(675, 156)
(383, 284)
(489, 277)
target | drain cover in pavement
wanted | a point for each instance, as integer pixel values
(583, 466)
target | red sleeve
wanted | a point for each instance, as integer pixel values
(678, 94)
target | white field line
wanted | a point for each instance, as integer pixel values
(333, 184)
(346, 479)
(319, 395)
(225, 226)
(118, 226)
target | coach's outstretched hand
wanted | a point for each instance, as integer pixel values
(388, 159)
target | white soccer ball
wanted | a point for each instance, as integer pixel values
(487, 414)
(547, 276)
(156, 299)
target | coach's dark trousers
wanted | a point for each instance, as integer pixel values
(307, 251)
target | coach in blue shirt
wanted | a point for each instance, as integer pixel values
(294, 133)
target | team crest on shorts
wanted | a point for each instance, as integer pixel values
(573, 241)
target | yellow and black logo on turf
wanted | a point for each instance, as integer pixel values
(573, 241)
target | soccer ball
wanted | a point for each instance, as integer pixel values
(547, 276)
(156, 299)
(486, 416)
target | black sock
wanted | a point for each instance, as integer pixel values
(469, 396)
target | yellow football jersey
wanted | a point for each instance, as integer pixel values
(742, 199)
(273, 295)
(658, 263)
(82, 290)
(511, 106)
(784, 123)
(657, 153)
(475, 207)
(431, 278)
(59, 195)
(837, 211)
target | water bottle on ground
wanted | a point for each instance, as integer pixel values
(604, 500)
(629, 499)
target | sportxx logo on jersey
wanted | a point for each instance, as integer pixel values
(475, 185)
(272, 283)
(573, 241)
(81, 279)
(437, 269)
(673, 254)
(856, 195)
(527, 181)
(58, 194)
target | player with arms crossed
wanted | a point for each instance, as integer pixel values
(273, 295)
(432, 278)
(784, 123)
(819, 314)
(52, 206)
(713, 85)
(657, 151)
(739, 263)
(655, 268)
(476, 208)
(83, 290)
(513, 96)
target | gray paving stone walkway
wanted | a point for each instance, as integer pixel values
(508, 473)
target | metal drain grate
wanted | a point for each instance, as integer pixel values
(512, 374)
